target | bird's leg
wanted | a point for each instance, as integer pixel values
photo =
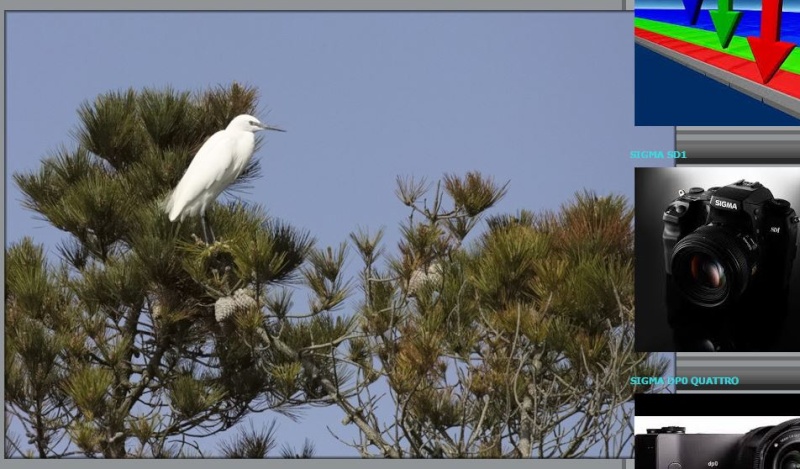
(203, 224)
(208, 235)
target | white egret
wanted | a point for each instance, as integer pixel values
(218, 163)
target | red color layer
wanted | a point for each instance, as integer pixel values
(783, 81)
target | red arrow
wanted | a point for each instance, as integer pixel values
(768, 50)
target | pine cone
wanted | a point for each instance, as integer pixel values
(224, 308)
(227, 306)
(418, 278)
(244, 299)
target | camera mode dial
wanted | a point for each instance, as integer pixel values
(667, 430)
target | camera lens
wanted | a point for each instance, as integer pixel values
(712, 266)
(707, 271)
(790, 460)
(771, 447)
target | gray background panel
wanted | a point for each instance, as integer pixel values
(757, 372)
(742, 145)
(334, 463)
(543, 5)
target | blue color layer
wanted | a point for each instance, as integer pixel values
(670, 94)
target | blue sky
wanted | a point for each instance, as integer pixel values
(542, 99)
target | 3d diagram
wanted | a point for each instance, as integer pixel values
(749, 46)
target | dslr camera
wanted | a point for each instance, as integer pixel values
(770, 447)
(728, 254)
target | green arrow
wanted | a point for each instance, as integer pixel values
(725, 21)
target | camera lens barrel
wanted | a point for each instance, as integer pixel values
(712, 265)
(775, 447)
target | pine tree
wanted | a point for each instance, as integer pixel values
(141, 336)
(504, 335)
(518, 343)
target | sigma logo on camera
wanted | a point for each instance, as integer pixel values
(724, 204)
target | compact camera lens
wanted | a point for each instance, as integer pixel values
(790, 460)
(771, 447)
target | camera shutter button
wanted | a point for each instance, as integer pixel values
(674, 465)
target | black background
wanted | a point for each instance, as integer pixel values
(717, 405)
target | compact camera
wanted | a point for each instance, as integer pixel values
(729, 253)
(770, 447)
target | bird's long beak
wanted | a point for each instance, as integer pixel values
(268, 127)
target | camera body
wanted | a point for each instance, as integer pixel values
(672, 448)
(728, 255)
(770, 447)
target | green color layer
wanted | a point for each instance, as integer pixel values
(738, 47)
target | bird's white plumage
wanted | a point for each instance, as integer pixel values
(218, 163)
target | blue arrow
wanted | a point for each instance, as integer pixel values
(693, 9)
